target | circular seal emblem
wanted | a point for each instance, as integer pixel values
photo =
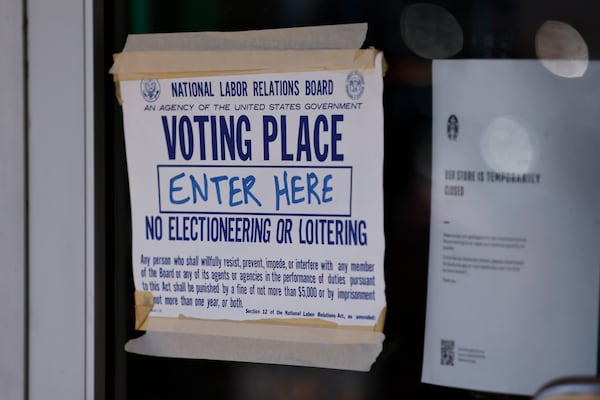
(452, 127)
(355, 85)
(150, 90)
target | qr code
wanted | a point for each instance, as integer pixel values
(447, 357)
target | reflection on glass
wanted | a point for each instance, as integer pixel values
(430, 31)
(297, 12)
(508, 146)
(561, 49)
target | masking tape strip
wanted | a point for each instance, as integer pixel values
(268, 50)
(292, 342)
(264, 343)
(162, 64)
(344, 36)
(144, 302)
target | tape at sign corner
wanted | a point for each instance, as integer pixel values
(144, 302)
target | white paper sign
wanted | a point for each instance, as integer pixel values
(515, 226)
(258, 196)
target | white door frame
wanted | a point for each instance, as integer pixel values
(60, 361)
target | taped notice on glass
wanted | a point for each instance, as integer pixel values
(514, 267)
(256, 183)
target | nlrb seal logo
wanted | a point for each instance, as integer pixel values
(355, 85)
(150, 90)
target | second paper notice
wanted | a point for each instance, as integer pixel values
(514, 260)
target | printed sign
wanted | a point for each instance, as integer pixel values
(258, 196)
